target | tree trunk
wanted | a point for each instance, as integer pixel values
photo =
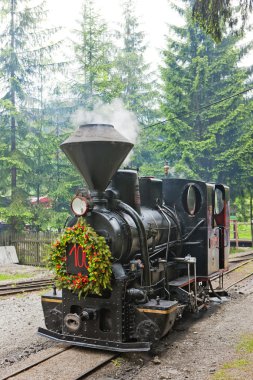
(13, 100)
(251, 215)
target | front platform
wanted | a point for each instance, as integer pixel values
(97, 344)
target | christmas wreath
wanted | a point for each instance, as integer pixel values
(95, 257)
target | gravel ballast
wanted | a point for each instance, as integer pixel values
(19, 320)
(194, 350)
(20, 317)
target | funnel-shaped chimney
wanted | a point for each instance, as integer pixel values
(97, 151)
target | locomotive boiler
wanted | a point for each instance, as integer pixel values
(167, 237)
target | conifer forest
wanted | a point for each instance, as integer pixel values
(192, 112)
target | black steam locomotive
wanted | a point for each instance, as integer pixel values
(168, 238)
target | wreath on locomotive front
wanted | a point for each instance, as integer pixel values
(81, 261)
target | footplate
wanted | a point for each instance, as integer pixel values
(94, 343)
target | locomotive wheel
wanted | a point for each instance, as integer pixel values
(148, 331)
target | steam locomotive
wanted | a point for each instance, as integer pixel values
(168, 238)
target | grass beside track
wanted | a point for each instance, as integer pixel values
(240, 250)
(244, 231)
(13, 277)
(241, 367)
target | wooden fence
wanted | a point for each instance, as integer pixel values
(241, 232)
(32, 247)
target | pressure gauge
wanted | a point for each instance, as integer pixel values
(79, 206)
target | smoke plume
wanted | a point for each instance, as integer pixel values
(114, 113)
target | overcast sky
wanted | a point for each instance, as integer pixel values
(153, 15)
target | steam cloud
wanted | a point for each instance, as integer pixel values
(114, 113)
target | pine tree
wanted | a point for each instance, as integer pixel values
(137, 89)
(94, 80)
(22, 52)
(215, 16)
(137, 84)
(200, 141)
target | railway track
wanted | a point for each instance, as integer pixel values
(24, 286)
(29, 286)
(236, 275)
(49, 364)
(241, 257)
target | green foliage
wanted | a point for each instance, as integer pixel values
(25, 56)
(95, 252)
(215, 16)
(238, 363)
(244, 231)
(241, 366)
(45, 219)
(241, 207)
(234, 250)
(13, 277)
(138, 84)
(118, 362)
(246, 344)
(94, 80)
(204, 142)
(17, 213)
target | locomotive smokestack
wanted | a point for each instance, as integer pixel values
(97, 151)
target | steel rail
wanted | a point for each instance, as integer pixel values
(82, 376)
(19, 291)
(35, 364)
(16, 283)
(8, 289)
(23, 286)
(237, 282)
(247, 261)
(97, 367)
(242, 258)
(232, 269)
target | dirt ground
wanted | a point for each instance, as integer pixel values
(20, 317)
(197, 349)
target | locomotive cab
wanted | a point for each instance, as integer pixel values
(167, 239)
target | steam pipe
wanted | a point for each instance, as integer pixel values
(142, 238)
(183, 239)
(173, 215)
(169, 223)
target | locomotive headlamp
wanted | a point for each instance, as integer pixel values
(79, 206)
